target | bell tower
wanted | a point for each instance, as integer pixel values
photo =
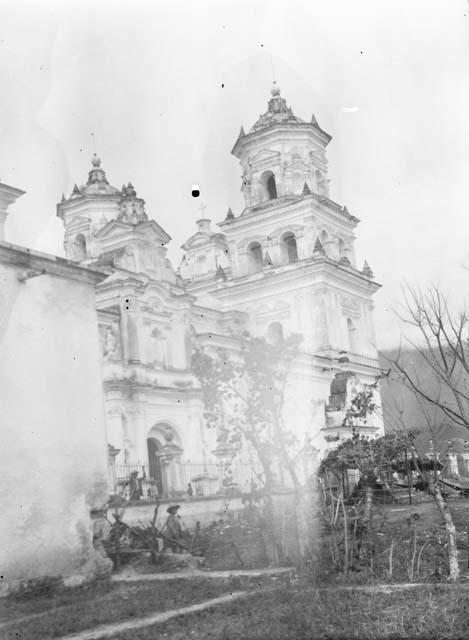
(87, 210)
(281, 155)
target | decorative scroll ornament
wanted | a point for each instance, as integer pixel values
(350, 307)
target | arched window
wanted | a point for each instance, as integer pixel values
(275, 333)
(289, 248)
(321, 183)
(200, 265)
(342, 253)
(325, 241)
(352, 336)
(79, 248)
(255, 257)
(269, 185)
(298, 182)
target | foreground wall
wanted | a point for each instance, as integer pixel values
(52, 418)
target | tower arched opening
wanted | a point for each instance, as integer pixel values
(255, 257)
(269, 186)
(289, 247)
(79, 248)
(342, 253)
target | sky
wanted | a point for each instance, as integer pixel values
(160, 89)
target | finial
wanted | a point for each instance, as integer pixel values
(76, 191)
(229, 215)
(306, 190)
(268, 260)
(63, 197)
(318, 248)
(128, 191)
(242, 133)
(275, 91)
(220, 275)
(367, 272)
(314, 121)
(96, 161)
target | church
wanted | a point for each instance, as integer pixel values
(284, 264)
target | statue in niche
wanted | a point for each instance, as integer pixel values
(110, 343)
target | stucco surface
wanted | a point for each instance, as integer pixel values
(52, 425)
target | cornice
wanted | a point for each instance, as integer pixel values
(277, 127)
(282, 206)
(286, 273)
(48, 264)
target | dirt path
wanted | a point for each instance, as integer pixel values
(132, 576)
(109, 630)
(139, 577)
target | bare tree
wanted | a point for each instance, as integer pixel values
(441, 345)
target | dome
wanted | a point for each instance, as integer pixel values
(275, 91)
(277, 112)
(97, 182)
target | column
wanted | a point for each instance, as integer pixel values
(139, 434)
(224, 454)
(112, 453)
(131, 333)
(114, 426)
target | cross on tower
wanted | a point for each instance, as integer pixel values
(202, 209)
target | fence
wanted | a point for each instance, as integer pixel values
(136, 481)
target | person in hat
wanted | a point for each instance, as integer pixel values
(174, 527)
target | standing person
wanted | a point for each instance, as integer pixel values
(173, 527)
(135, 491)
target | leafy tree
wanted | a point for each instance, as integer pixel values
(244, 396)
(374, 460)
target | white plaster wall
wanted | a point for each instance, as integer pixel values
(52, 426)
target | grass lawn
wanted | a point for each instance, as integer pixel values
(302, 613)
(72, 610)
(429, 513)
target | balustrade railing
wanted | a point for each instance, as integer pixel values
(137, 481)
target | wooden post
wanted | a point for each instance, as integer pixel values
(409, 482)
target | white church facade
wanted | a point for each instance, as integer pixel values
(285, 264)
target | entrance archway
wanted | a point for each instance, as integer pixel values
(154, 463)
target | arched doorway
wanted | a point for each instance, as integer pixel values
(275, 334)
(154, 463)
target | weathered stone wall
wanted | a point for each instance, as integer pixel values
(54, 458)
(294, 525)
(203, 510)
